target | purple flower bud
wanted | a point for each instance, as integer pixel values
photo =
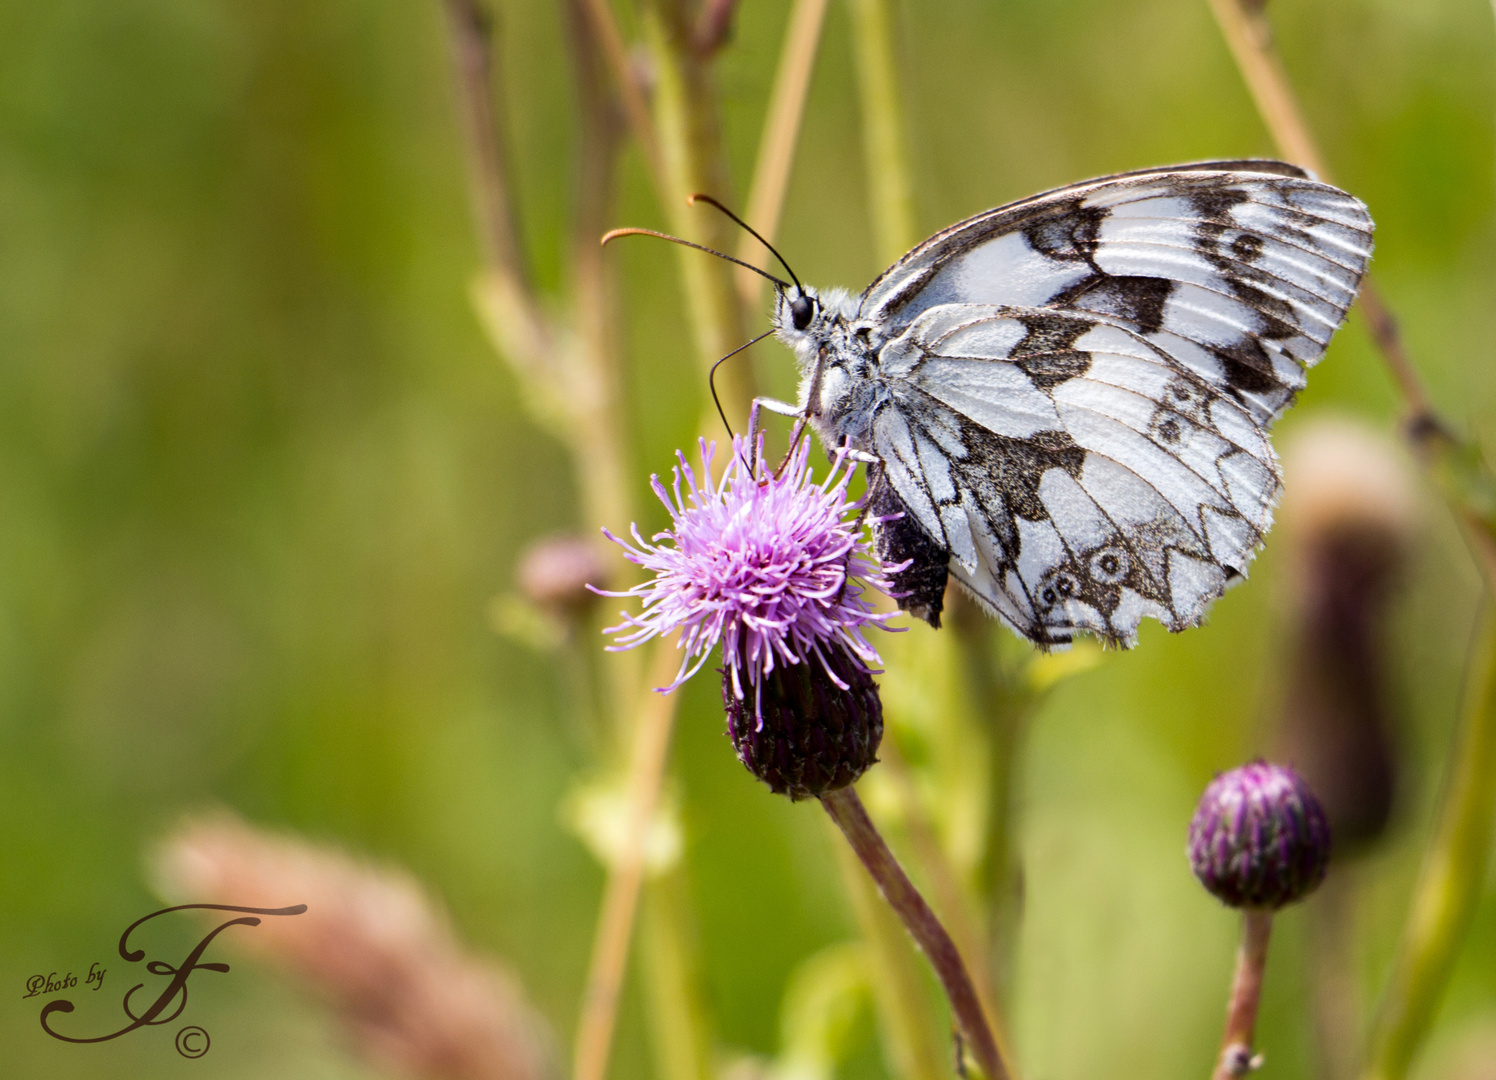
(1259, 838)
(554, 573)
(815, 727)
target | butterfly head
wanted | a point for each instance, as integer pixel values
(806, 319)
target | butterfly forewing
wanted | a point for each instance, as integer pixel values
(1079, 386)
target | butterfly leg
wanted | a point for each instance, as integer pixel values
(783, 408)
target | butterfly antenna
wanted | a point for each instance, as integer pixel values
(711, 379)
(751, 232)
(616, 233)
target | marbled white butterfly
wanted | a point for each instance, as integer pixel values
(1064, 402)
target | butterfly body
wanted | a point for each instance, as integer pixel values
(1065, 400)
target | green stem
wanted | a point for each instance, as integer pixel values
(1449, 884)
(781, 134)
(688, 116)
(1001, 705)
(890, 190)
(682, 1036)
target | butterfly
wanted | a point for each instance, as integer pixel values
(1063, 403)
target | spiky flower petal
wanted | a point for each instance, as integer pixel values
(767, 563)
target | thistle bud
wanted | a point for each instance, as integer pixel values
(1259, 838)
(809, 736)
(554, 573)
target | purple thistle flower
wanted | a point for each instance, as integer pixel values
(771, 566)
(1259, 838)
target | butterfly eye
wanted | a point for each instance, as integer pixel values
(802, 309)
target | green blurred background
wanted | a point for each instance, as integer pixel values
(260, 476)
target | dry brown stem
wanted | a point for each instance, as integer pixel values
(945, 882)
(1250, 38)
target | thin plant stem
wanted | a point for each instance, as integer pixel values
(635, 108)
(1002, 706)
(912, 1042)
(1237, 1059)
(597, 433)
(1249, 35)
(945, 882)
(1450, 881)
(567, 373)
(890, 190)
(526, 334)
(615, 924)
(1465, 480)
(781, 134)
(682, 1046)
(847, 811)
(492, 207)
(688, 117)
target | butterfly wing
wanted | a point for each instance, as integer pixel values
(1080, 383)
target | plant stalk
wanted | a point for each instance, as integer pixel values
(847, 811)
(610, 946)
(688, 117)
(1466, 482)
(635, 108)
(1236, 1058)
(1450, 881)
(890, 189)
(945, 882)
(781, 134)
(911, 1040)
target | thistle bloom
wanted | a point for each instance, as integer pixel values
(769, 564)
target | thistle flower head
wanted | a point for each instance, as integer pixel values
(769, 564)
(1259, 838)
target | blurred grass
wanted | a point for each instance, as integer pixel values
(259, 476)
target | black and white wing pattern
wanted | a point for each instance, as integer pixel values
(1078, 388)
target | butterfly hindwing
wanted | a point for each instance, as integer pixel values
(1074, 475)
